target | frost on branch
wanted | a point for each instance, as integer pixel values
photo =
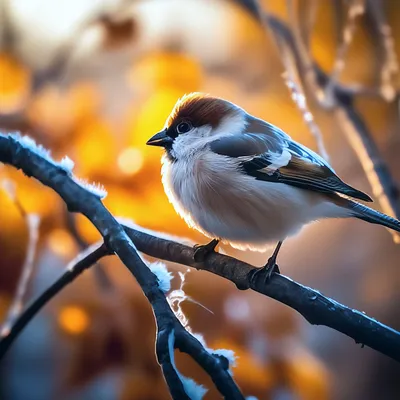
(164, 277)
(227, 353)
(129, 223)
(177, 296)
(66, 163)
(298, 96)
(192, 389)
(96, 188)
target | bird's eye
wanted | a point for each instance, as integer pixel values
(183, 127)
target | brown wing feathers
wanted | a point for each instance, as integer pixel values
(309, 176)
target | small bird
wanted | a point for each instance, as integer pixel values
(241, 180)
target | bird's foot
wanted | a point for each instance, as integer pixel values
(201, 251)
(265, 272)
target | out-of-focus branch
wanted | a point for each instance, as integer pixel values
(355, 9)
(75, 267)
(354, 127)
(124, 241)
(339, 18)
(294, 82)
(101, 276)
(35, 162)
(252, 6)
(323, 95)
(302, 56)
(19, 299)
(307, 14)
(32, 223)
(389, 66)
(117, 29)
(384, 187)
(298, 96)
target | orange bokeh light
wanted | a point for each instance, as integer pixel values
(73, 320)
(160, 70)
(248, 368)
(130, 160)
(95, 148)
(14, 83)
(61, 242)
(59, 112)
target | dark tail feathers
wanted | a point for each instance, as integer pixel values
(375, 217)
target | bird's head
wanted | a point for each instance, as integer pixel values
(196, 119)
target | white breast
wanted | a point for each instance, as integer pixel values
(216, 199)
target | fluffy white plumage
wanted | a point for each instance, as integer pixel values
(215, 198)
(244, 181)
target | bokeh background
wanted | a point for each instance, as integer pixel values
(94, 79)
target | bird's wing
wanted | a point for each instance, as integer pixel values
(267, 153)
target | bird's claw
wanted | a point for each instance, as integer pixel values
(202, 251)
(266, 272)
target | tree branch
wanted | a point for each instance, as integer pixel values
(356, 130)
(101, 276)
(35, 162)
(311, 304)
(27, 271)
(386, 53)
(315, 307)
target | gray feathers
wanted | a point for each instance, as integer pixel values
(267, 153)
(373, 216)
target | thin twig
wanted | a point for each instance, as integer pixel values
(102, 278)
(83, 261)
(252, 6)
(295, 86)
(389, 65)
(32, 223)
(302, 54)
(381, 180)
(383, 186)
(339, 14)
(307, 15)
(356, 8)
(19, 299)
(297, 93)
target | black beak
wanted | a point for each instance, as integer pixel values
(160, 139)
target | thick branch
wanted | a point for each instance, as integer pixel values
(311, 304)
(36, 163)
(315, 307)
